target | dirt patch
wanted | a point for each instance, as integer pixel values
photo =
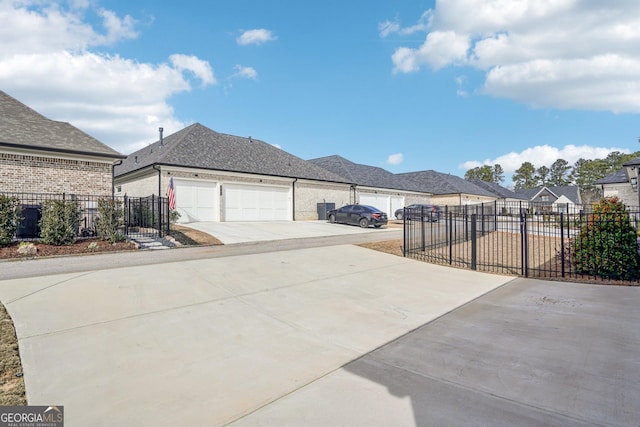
(12, 390)
(190, 237)
(393, 247)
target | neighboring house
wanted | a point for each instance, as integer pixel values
(620, 185)
(39, 155)
(375, 186)
(449, 189)
(552, 199)
(510, 202)
(219, 177)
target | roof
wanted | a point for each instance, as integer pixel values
(442, 183)
(22, 127)
(619, 177)
(496, 189)
(370, 176)
(570, 191)
(199, 147)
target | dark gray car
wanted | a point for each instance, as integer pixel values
(361, 215)
(419, 211)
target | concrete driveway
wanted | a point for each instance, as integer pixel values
(335, 335)
(241, 232)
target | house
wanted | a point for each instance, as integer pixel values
(622, 184)
(220, 177)
(552, 199)
(39, 155)
(375, 186)
(449, 189)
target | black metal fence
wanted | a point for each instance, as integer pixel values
(515, 238)
(142, 216)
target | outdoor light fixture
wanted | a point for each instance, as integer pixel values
(634, 183)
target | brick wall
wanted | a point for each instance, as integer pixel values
(40, 174)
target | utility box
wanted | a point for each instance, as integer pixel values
(29, 227)
(323, 208)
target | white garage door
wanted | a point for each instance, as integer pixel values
(195, 200)
(397, 202)
(377, 201)
(255, 203)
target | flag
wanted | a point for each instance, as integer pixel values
(171, 194)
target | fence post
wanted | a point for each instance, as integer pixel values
(474, 241)
(562, 242)
(525, 244)
(422, 231)
(405, 232)
(450, 238)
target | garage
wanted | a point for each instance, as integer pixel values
(380, 201)
(255, 203)
(195, 200)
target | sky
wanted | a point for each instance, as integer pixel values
(404, 85)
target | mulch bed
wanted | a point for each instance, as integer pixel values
(84, 246)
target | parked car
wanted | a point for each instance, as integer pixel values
(420, 212)
(361, 215)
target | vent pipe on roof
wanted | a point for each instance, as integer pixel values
(250, 140)
(161, 140)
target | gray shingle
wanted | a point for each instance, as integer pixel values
(442, 183)
(199, 147)
(620, 177)
(20, 126)
(370, 176)
(571, 192)
(497, 189)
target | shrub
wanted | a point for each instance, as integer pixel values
(607, 244)
(110, 219)
(9, 218)
(59, 222)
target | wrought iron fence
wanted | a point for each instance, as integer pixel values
(142, 216)
(521, 239)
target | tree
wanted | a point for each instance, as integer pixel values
(559, 173)
(486, 173)
(524, 177)
(542, 176)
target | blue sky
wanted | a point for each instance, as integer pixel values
(407, 86)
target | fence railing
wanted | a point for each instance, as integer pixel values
(515, 238)
(143, 216)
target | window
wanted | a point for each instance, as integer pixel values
(544, 198)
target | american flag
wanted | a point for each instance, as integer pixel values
(171, 194)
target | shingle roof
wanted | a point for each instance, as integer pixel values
(569, 191)
(22, 127)
(497, 189)
(442, 183)
(197, 146)
(370, 176)
(619, 177)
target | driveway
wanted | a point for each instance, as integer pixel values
(207, 342)
(241, 232)
(337, 335)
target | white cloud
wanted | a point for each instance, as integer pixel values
(246, 72)
(201, 69)
(565, 54)
(395, 159)
(118, 100)
(543, 155)
(257, 37)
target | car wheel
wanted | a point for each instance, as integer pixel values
(332, 219)
(399, 216)
(364, 222)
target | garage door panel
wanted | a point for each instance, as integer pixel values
(381, 202)
(195, 200)
(255, 203)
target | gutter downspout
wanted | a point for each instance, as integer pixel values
(293, 198)
(113, 177)
(353, 187)
(160, 199)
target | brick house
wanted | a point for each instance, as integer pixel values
(39, 155)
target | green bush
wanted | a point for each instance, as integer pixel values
(59, 222)
(110, 219)
(607, 244)
(9, 218)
